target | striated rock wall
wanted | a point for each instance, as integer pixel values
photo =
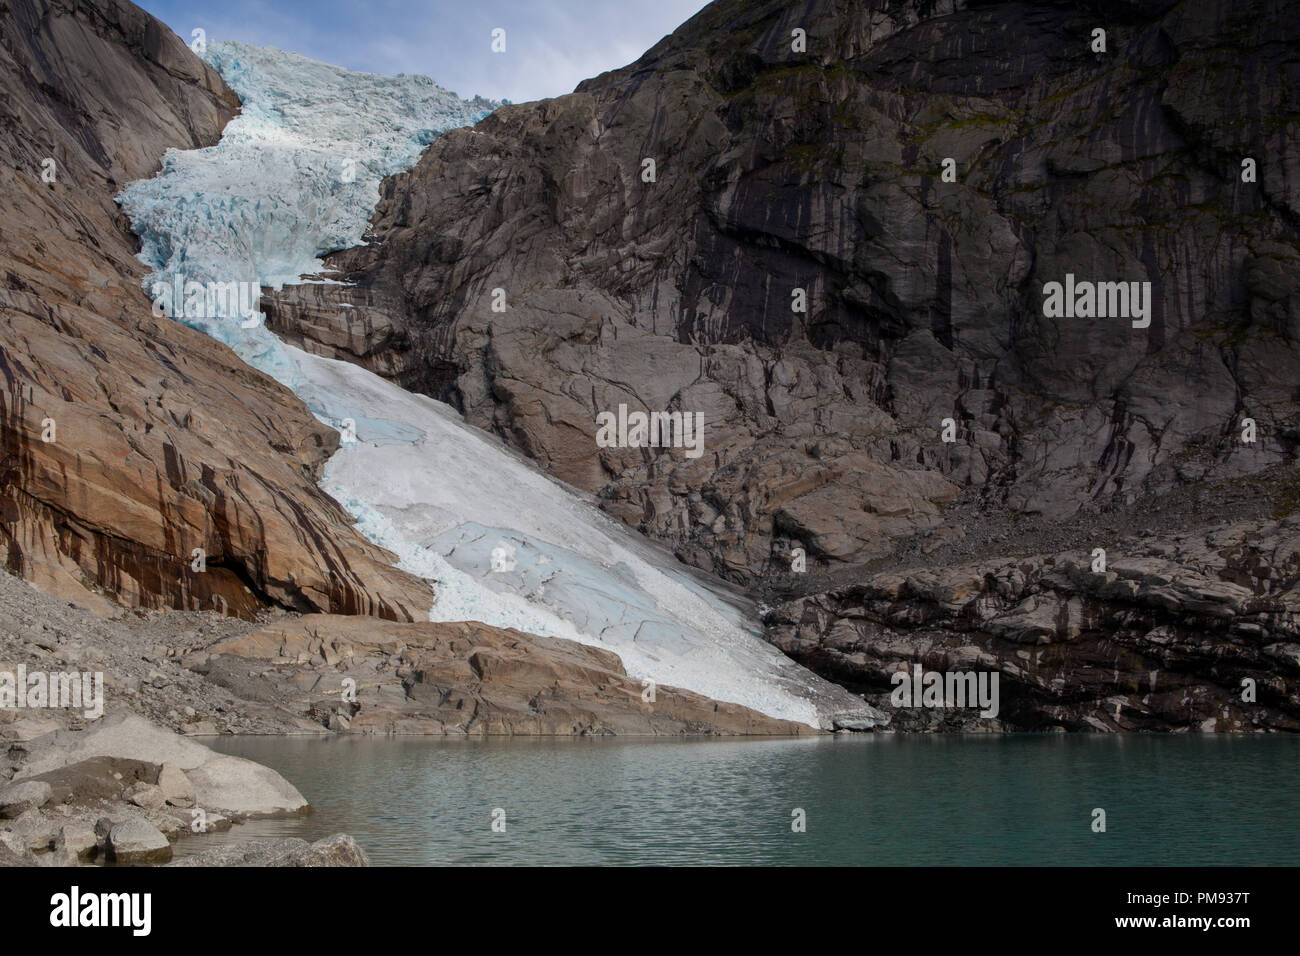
(778, 170)
(1196, 631)
(163, 441)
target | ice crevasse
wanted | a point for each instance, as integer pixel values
(296, 175)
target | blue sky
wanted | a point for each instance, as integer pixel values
(550, 44)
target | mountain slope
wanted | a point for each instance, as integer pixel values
(779, 170)
(163, 440)
(503, 544)
(1168, 160)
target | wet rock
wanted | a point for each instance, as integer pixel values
(337, 850)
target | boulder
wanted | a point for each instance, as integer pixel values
(10, 857)
(20, 797)
(145, 795)
(32, 831)
(232, 785)
(59, 857)
(175, 786)
(136, 841)
(77, 837)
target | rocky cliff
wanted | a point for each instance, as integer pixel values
(1195, 630)
(831, 229)
(130, 441)
(653, 235)
(834, 228)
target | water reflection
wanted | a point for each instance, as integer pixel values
(887, 799)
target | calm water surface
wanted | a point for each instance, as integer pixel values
(870, 800)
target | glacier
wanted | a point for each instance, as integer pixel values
(295, 176)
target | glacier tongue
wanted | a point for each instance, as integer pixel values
(297, 175)
(448, 500)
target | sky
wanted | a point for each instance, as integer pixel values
(550, 45)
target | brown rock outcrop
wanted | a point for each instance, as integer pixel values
(460, 678)
(162, 440)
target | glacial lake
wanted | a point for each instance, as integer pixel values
(867, 800)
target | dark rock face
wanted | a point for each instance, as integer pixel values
(1196, 631)
(162, 441)
(776, 171)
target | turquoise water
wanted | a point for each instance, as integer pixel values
(868, 800)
